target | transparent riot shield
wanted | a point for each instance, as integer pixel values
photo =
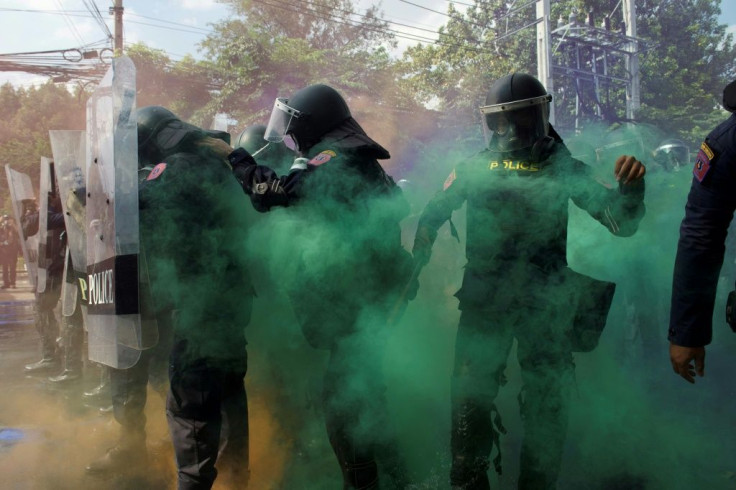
(46, 188)
(115, 326)
(24, 202)
(73, 291)
(69, 149)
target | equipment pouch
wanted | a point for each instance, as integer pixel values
(592, 300)
(731, 310)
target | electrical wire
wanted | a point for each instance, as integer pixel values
(69, 22)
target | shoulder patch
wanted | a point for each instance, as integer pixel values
(323, 157)
(703, 161)
(449, 180)
(157, 171)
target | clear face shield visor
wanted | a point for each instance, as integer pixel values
(280, 123)
(608, 154)
(673, 157)
(516, 125)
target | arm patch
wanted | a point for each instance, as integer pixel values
(323, 157)
(157, 171)
(450, 179)
(703, 162)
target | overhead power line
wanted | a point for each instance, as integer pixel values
(70, 23)
(92, 8)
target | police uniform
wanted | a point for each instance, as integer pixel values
(350, 268)
(517, 285)
(44, 317)
(190, 219)
(708, 213)
(9, 248)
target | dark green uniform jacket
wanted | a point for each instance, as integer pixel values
(517, 213)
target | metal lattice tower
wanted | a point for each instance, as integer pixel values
(593, 70)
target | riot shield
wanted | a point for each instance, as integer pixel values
(113, 313)
(46, 188)
(24, 201)
(69, 149)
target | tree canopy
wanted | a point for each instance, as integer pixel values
(685, 47)
(270, 48)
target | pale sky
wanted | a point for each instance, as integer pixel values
(178, 26)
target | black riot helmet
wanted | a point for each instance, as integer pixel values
(672, 154)
(307, 116)
(273, 154)
(252, 139)
(162, 133)
(516, 113)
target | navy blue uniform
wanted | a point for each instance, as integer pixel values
(708, 213)
(45, 320)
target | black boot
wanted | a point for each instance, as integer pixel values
(68, 376)
(102, 390)
(44, 365)
(128, 455)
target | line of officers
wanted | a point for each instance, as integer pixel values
(348, 279)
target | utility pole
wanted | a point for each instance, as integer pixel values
(117, 11)
(544, 51)
(633, 101)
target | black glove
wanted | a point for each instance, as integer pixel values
(241, 157)
(241, 161)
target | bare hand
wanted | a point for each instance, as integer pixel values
(628, 169)
(217, 146)
(681, 358)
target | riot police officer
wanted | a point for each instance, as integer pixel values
(700, 251)
(45, 302)
(9, 248)
(275, 155)
(516, 283)
(349, 210)
(191, 233)
(672, 154)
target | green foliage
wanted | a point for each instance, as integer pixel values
(474, 48)
(28, 115)
(686, 47)
(272, 49)
(183, 86)
(696, 58)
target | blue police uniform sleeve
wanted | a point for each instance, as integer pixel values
(700, 251)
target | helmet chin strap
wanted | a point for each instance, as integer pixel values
(261, 149)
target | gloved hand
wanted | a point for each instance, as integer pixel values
(76, 200)
(240, 157)
(240, 161)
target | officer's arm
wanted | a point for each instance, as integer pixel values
(619, 208)
(29, 224)
(265, 188)
(438, 210)
(55, 221)
(709, 210)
